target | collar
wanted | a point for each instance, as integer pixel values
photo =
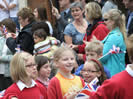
(114, 31)
(21, 85)
(129, 69)
(46, 83)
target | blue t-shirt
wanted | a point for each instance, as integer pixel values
(77, 37)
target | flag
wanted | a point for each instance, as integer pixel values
(4, 29)
(2, 93)
(88, 88)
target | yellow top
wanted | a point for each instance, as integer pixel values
(69, 85)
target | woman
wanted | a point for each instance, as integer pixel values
(41, 15)
(96, 28)
(75, 31)
(115, 22)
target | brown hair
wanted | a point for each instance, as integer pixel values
(130, 47)
(26, 13)
(40, 61)
(9, 24)
(99, 67)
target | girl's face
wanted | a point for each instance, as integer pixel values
(66, 62)
(45, 71)
(89, 72)
(76, 12)
(35, 13)
(31, 68)
(37, 39)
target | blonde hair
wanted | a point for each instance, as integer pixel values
(60, 50)
(119, 20)
(17, 66)
(93, 11)
(94, 46)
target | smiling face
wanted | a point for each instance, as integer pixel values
(66, 62)
(89, 72)
(76, 12)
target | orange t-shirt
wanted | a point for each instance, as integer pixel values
(69, 85)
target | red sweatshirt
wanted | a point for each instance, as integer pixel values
(120, 86)
(36, 92)
(54, 89)
(100, 31)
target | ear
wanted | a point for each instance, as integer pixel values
(56, 64)
(99, 74)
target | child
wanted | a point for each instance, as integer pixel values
(44, 70)
(91, 70)
(64, 82)
(23, 71)
(6, 26)
(120, 86)
(93, 50)
(44, 44)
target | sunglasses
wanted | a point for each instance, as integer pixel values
(105, 19)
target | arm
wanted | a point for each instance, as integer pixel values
(10, 6)
(54, 90)
(6, 58)
(68, 39)
(108, 44)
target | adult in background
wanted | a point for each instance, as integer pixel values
(63, 18)
(3, 10)
(75, 31)
(41, 15)
(115, 22)
(96, 27)
(13, 8)
(25, 37)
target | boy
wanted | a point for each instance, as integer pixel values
(93, 50)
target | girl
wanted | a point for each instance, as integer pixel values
(64, 83)
(23, 71)
(43, 69)
(91, 70)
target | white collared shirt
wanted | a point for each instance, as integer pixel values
(21, 85)
(129, 69)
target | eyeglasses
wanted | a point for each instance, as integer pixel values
(90, 71)
(105, 19)
(31, 65)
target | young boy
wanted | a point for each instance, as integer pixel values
(44, 44)
(93, 50)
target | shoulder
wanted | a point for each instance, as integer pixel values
(13, 90)
(69, 26)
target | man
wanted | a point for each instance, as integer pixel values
(63, 18)
(25, 37)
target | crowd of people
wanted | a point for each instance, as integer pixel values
(92, 40)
